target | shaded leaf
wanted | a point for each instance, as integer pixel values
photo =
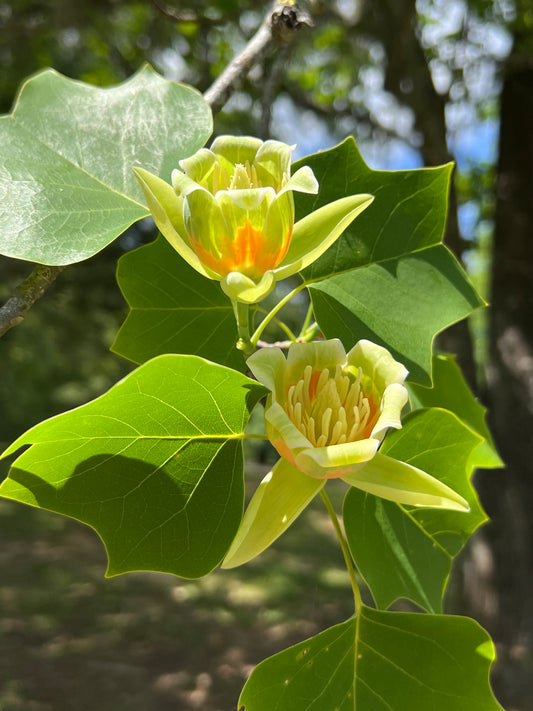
(400, 304)
(67, 187)
(154, 465)
(408, 212)
(451, 392)
(173, 309)
(383, 661)
(407, 552)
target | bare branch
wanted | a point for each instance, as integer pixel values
(174, 15)
(32, 288)
(279, 26)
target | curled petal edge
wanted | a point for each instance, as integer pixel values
(404, 484)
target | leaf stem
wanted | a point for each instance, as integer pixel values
(306, 322)
(345, 550)
(281, 324)
(268, 318)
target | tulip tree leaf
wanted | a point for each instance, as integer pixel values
(408, 212)
(173, 309)
(400, 304)
(66, 183)
(382, 661)
(404, 551)
(451, 392)
(154, 465)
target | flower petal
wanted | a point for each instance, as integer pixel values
(199, 166)
(283, 433)
(400, 482)
(272, 163)
(378, 365)
(235, 149)
(315, 233)
(268, 364)
(303, 181)
(317, 354)
(337, 460)
(167, 210)
(392, 402)
(239, 287)
(281, 497)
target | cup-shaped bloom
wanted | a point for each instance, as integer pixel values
(230, 214)
(326, 414)
(328, 411)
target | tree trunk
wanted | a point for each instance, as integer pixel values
(506, 610)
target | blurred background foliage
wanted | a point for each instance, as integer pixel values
(416, 83)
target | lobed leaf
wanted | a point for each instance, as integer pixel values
(451, 392)
(408, 212)
(380, 661)
(67, 187)
(407, 552)
(154, 465)
(173, 309)
(400, 304)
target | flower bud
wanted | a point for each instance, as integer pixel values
(230, 214)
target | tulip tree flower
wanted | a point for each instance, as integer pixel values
(230, 214)
(327, 414)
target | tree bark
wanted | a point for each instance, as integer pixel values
(508, 496)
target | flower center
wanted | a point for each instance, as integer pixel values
(331, 409)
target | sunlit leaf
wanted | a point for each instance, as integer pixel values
(451, 392)
(382, 661)
(67, 187)
(154, 465)
(404, 551)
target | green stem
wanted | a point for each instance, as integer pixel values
(345, 550)
(307, 321)
(242, 317)
(281, 324)
(268, 318)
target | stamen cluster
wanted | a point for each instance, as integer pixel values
(331, 409)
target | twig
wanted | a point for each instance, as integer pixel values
(32, 288)
(174, 15)
(281, 25)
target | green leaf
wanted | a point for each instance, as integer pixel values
(67, 187)
(400, 304)
(407, 552)
(154, 465)
(408, 212)
(451, 392)
(381, 661)
(173, 309)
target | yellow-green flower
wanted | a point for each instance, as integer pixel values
(230, 214)
(327, 414)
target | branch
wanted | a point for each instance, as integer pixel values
(279, 26)
(32, 288)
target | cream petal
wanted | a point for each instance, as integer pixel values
(377, 364)
(183, 185)
(280, 498)
(281, 429)
(241, 288)
(268, 366)
(167, 210)
(393, 400)
(317, 354)
(401, 482)
(337, 460)
(303, 181)
(247, 199)
(316, 232)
